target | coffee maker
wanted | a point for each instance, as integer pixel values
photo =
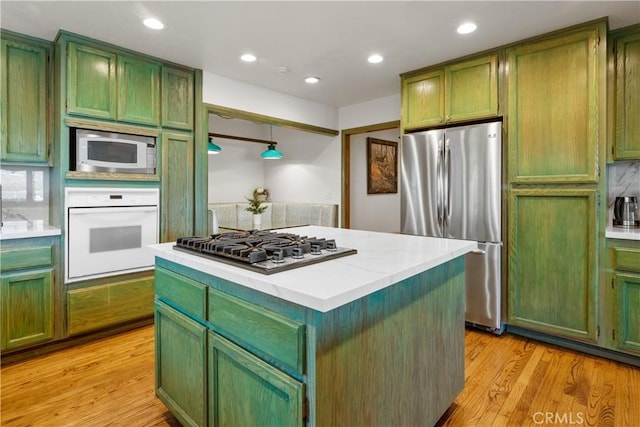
(626, 212)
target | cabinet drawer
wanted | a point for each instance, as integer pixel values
(181, 291)
(274, 335)
(626, 259)
(16, 259)
(100, 306)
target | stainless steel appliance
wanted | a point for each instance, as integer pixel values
(451, 188)
(107, 231)
(99, 151)
(626, 212)
(266, 252)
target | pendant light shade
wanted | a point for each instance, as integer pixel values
(213, 148)
(271, 153)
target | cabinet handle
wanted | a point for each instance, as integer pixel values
(440, 119)
(448, 118)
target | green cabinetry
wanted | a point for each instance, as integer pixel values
(215, 377)
(625, 295)
(28, 281)
(177, 98)
(626, 58)
(100, 306)
(553, 261)
(107, 85)
(181, 365)
(177, 170)
(556, 134)
(554, 122)
(24, 98)
(458, 92)
(246, 391)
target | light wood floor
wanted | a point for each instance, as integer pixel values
(510, 381)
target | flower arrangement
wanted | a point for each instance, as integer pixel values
(261, 193)
(256, 206)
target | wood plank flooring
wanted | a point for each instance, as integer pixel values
(510, 381)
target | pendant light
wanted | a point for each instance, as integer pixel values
(213, 148)
(271, 153)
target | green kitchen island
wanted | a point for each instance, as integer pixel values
(370, 339)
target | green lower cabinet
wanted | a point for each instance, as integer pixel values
(181, 365)
(98, 307)
(627, 333)
(553, 261)
(245, 391)
(27, 308)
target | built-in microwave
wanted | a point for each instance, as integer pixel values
(101, 151)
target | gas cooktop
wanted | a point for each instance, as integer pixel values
(266, 252)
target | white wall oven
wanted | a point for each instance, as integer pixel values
(107, 231)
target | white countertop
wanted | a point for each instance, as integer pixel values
(622, 233)
(26, 229)
(382, 260)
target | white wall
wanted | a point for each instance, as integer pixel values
(238, 169)
(372, 212)
(381, 110)
(218, 90)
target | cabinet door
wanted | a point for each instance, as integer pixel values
(100, 306)
(471, 89)
(627, 334)
(245, 391)
(91, 82)
(423, 100)
(176, 213)
(138, 91)
(181, 365)
(552, 262)
(177, 98)
(27, 308)
(627, 93)
(23, 102)
(553, 111)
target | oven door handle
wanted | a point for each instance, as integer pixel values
(100, 210)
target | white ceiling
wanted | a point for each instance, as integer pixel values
(328, 39)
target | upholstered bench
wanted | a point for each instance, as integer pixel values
(280, 214)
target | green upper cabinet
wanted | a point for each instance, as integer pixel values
(138, 90)
(458, 92)
(24, 99)
(177, 98)
(471, 89)
(107, 85)
(91, 82)
(177, 204)
(552, 271)
(627, 94)
(555, 88)
(423, 100)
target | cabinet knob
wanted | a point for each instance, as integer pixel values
(448, 118)
(440, 119)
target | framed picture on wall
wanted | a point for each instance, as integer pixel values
(382, 166)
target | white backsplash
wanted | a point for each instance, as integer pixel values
(25, 194)
(623, 179)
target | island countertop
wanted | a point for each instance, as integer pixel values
(382, 260)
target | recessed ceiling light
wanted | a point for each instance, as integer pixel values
(153, 23)
(248, 57)
(466, 28)
(312, 80)
(375, 58)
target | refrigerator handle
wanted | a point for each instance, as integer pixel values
(445, 187)
(439, 202)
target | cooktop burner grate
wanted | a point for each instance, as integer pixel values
(263, 251)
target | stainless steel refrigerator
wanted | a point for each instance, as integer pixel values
(450, 187)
